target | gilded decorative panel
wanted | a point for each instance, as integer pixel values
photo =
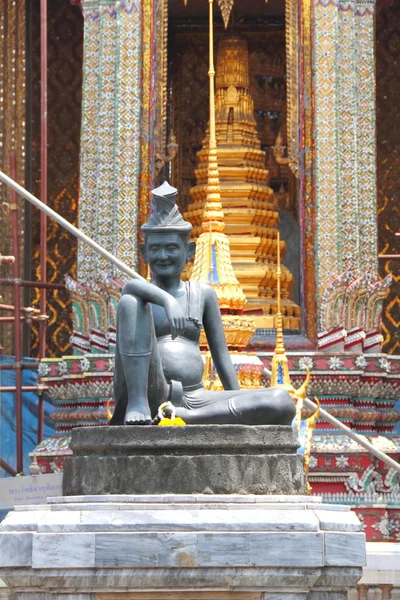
(12, 132)
(161, 76)
(307, 165)
(147, 137)
(65, 27)
(388, 170)
(293, 59)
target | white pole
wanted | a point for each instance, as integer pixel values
(68, 226)
(354, 436)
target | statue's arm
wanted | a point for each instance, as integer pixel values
(149, 292)
(216, 340)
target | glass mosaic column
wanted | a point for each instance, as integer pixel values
(350, 292)
(113, 122)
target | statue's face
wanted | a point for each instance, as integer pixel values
(167, 253)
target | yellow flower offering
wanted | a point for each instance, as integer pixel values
(169, 422)
(167, 416)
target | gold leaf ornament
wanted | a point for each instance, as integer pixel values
(226, 9)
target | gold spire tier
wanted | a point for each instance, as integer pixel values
(251, 221)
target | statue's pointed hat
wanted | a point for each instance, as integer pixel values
(165, 216)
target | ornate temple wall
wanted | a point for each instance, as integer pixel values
(349, 290)
(330, 139)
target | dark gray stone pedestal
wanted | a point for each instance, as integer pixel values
(214, 459)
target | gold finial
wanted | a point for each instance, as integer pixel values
(279, 346)
(226, 9)
(279, 366)
(213, 216)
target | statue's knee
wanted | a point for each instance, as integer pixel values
(278, 406)
(284, 404)
(131, 304)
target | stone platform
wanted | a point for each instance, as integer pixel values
(214, 459)
(186, 547)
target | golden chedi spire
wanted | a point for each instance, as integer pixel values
(251, 221)
(279, 366)
(280, 376)
(212, 262)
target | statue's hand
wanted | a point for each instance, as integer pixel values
(175, 316)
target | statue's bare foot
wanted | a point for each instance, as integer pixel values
(139, 414)
(133, 417)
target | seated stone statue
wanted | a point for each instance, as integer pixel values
(158, 330)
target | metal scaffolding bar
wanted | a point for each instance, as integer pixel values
(7, 468)
(34, 284)
(43, 197)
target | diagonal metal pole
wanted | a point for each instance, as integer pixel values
(64, 223)
(354, 436)
(123, 267)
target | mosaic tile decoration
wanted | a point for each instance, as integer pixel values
(88, 162)
(351, 293)
(128, 150)
(111, 133)
(366, 141)
(347, 104)
(106, 189)
(328, 221)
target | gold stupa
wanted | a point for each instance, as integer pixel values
(213, 265)
(212, 261)
(251, 222)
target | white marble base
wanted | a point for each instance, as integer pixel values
(190, 547)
